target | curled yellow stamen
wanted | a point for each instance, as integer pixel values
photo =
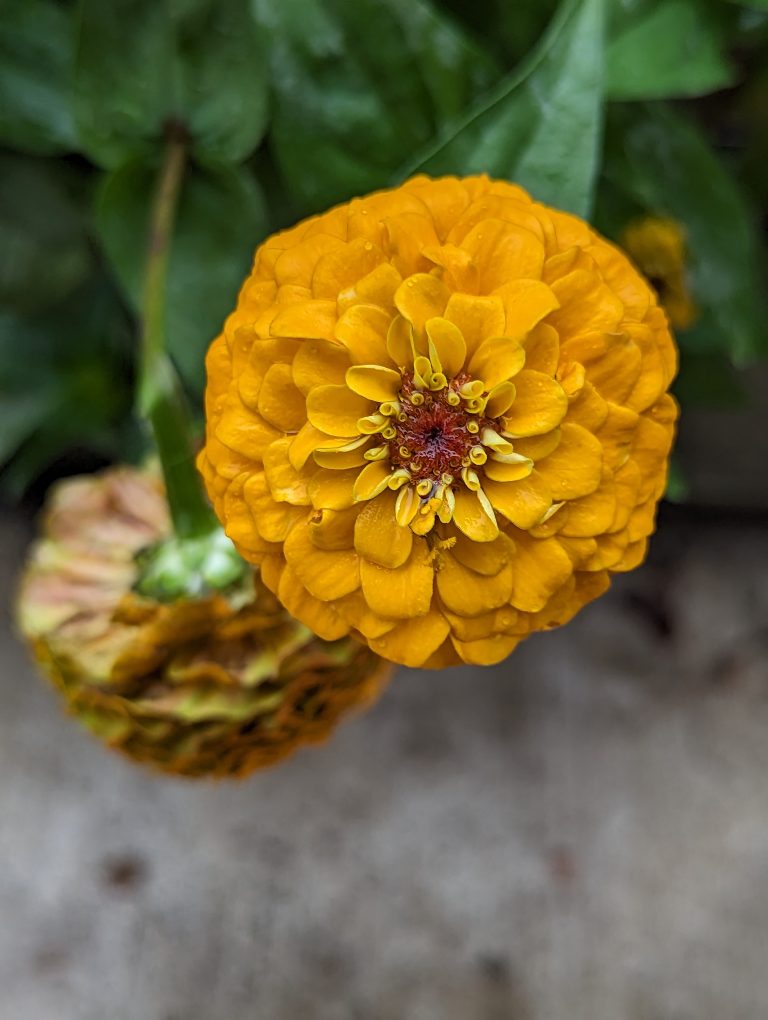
(470, 479)
(377, 453)
(371, 424)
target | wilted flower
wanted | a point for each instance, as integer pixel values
(438, 419)
(657, 246)
(217, 685)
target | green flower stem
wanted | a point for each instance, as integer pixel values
(161, 399)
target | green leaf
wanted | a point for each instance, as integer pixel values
(222, 67)
(45, 252)
(541, 127)
(673, 48)
(509, 29)
(64, 380)
(708, 379)
(358, 86)
(220, 221)
(143, 63)
(665, 163)
(36, 57)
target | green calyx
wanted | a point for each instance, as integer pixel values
(191, 568)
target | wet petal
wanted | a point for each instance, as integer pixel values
(421, 297)
(574, 469)
(526, 303)
(374, 382)
(332, 490)
(378, 536)
(470, 594)
(333, 529)
(243, 431)
(523, 503)
(311, 320)
(474, 516)
(313, 613)
(336, 410)
(486, 651)
(541, 567)
(342, 267)
(400, 342)
(449, 345)
(586, 303)
(319, 361)
(350, 455)
(591, 515)
(281, 403)
(306, 441)
(540, 404)
(372, 480)
(286, 484)
(497, 359)
(483, 557)
(508, 471)
(403, 592)
(502, 252)
(542, 349)
(326, 575)
(413, 642)
(362, 330)
(377, 288)
(500, 399)
(478, 318)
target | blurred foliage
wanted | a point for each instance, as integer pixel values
(614, 109)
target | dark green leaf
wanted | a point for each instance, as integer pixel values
(665, 163)
(220, 221)
(669, 48)
(708, 379)
(510, 30)
(223, 72)
(358, 86)
(541, 127)
(36, 56)
(65, 379)
(143, 63)
(45, 252)
(755, 5)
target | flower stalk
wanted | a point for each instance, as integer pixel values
(198, 556)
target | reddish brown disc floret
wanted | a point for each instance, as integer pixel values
(434, 432)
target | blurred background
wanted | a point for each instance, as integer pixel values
(581, 832)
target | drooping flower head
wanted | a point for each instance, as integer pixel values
(438, 418)
(212, 686)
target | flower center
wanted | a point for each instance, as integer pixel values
(434, 433)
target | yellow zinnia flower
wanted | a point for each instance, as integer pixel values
(657, 246)
(217, 685)
(438, 419)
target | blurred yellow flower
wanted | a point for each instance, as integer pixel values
(657, 246)
(212, 686)
(438, 419)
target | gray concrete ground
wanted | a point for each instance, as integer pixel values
(580, 833)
